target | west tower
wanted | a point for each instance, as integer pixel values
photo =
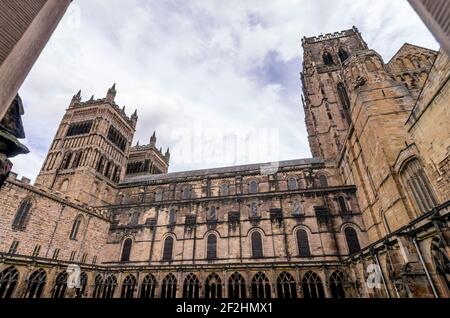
(325, 100)
(89, 153)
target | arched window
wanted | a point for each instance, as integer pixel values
(83, 284)
(343, 96)
(224, 189)
(261, 286)
(75, 227)
(303, 243)
(187, 193)
(168, 248)
(327, 58)
(312, 286)
(9, 278)
(101, 165)
(213, 287)
(65, 164)
(212, 213)
(352, 240)
(441, 262)
(323, 182)
(416, 182)
(286, 286)
(211, 247)
(59, 290)
(64, 186)
(337, 285)
(22, 215)
(342, 205)
(236, 286)
(98, 287)
(77, 159)
(126, 250)
(191, 287)
(292, 184)
(169, 287)
(343, 55)
(254, 211)
(257, 249)
(253, 187)
(296, 208)
(172, 217)
(36, 284)
(148, 287)
(128, 287)
(109, 287)
(158, 195)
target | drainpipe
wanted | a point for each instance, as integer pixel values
(393, 281)
(425, 268)
(382, 276)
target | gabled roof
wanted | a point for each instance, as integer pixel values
(407, 46)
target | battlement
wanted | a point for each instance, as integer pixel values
(94, 102)
(330, 36)
(109, 99)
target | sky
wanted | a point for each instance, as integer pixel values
(219, 81)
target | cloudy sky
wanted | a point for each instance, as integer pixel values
(217, 80)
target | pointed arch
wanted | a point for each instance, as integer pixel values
(109, 286)
(169, 286)
(36, 283)
(98, 286)
(148, 286)
(337, 285)
(59, 289)
(213, 287)
(126, 250)
(261, 286)
(23, 214)
(286, 286)
(236, 286)
(312, 286)
(129, 287)
(79, 220)
(9, 278)
(191, 287)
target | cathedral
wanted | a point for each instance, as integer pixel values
(366, 217)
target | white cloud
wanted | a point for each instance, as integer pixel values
(189, 64)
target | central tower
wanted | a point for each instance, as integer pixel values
(325, 100)
(89, 153)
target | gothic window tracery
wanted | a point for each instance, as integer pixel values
(9, 278)
(148, 287)
(261, 286)
(22, 215)
(191, 287)
(236, 286)
(312, 286)
(169, 286)
(286, 286)
(213, 287)
(128, 287)
(416, 182)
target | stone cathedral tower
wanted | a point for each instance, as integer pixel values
(325, 100)
(89, 153)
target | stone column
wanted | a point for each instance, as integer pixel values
(22, 57)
